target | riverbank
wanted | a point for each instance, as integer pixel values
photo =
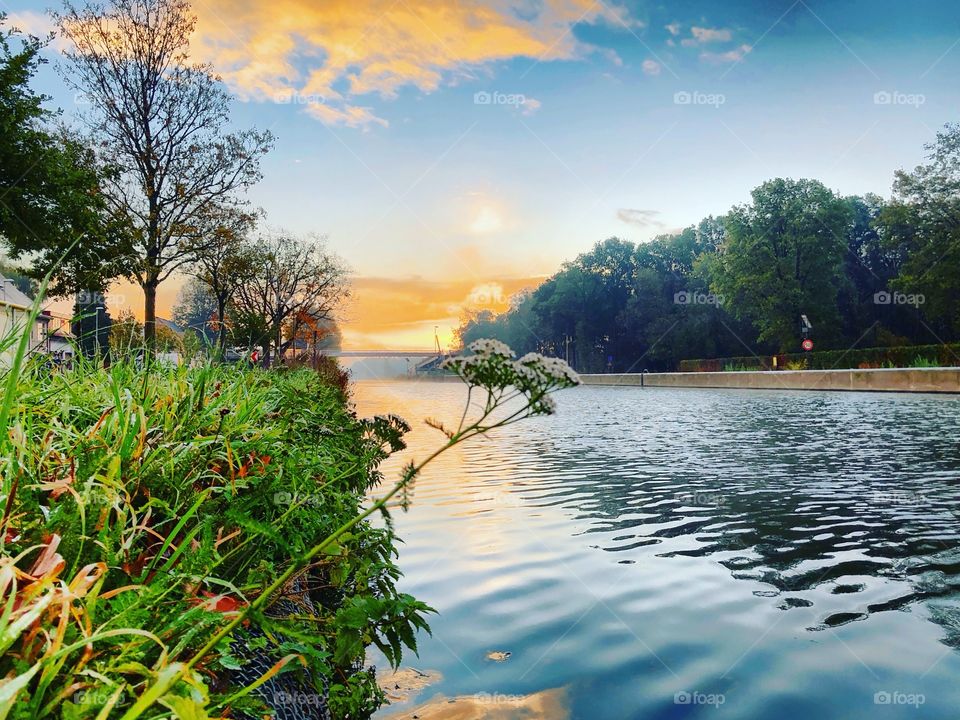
(148, 510)
(901, 380)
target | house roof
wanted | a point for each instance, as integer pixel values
(11, 295)
(176, 327)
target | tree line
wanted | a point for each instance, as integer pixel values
(866, 271)
(151, 185)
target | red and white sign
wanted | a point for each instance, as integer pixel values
(807, 345)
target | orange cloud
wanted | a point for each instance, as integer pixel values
(330, 53)
(400, 314)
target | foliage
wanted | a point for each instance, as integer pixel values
(289, 280)
(163, 122)
(923, 225)
(330, 371)
(92, 324)
(782, 257)
(621, 307)
(126, 332)
(156, 517)
(196, 309)
(738, 284)
(139, 507)
(21, 281)
(945, 355)
(49, 186)
(223, 258)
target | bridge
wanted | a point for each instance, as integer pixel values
(378, 362)
(385, 354)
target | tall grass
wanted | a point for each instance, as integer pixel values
(146, 508)
(165, 529)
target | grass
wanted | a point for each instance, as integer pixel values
(146, 509)
(165, 528)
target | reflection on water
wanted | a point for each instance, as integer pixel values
(683, 553)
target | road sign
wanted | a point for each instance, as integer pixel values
(808, 345)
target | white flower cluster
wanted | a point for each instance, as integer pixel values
(554, 368)
(492, 367)
(491, 348)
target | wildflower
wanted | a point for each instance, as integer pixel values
(492, 367)
(491, 348)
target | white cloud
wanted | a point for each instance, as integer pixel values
(530, 106)
(730, 56)
(37, 24)
(673, 28)
(641, 218)
(708, 35)
(651, 67)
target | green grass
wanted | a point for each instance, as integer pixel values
(144, 508)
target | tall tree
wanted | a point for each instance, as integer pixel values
(162, 120)
(288, 277)
(51, 207)
(923, 221)
(783, 256)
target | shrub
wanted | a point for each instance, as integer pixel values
(146, 507)
(901, 357)
(180, 541)
(328, 368)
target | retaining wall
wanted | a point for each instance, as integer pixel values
(925, 380)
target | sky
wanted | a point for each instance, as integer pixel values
(456, 152)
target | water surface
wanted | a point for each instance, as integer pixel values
(668, 553)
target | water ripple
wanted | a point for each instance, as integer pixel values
(666, 538)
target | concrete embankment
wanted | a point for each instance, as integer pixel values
(918, 380)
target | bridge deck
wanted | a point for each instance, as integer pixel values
(383, 354)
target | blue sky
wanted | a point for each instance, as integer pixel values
(604, 119)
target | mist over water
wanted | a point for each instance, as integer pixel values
(669, 553)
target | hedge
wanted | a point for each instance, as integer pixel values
(902, 356)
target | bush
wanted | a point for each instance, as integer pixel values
(329, 370)
(144, 508)
(864, 358)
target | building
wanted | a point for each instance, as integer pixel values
(57, 338)
(50, 334)
(14, 314)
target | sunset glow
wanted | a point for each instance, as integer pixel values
(445, 146)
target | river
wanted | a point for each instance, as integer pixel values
(658, 553)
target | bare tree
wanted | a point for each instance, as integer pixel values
(162, 120)
(289, 277)
(223, 259)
